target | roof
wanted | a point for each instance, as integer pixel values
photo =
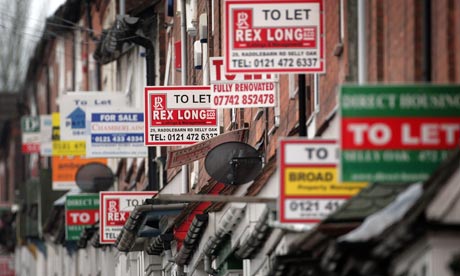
(370, 200)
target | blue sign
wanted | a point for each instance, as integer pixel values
(115, 134)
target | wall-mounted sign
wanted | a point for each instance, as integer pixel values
(310, 187)
(240, 90)
(274, 36)
(397, 133)
(179, 115)
(115, 209)
(30, 127)
(115, 133)
(64, 170)
(73, 106)
(80, 211)
(64, 148)
(46, 128)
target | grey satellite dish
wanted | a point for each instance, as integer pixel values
(94, 177)
(233, 163)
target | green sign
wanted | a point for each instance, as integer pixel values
(397, 133)
(80, 211)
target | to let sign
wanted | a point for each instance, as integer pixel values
(240, 90)
(274, 36)
(80, 211)
(310, 186)
(397, 133)
(179, 115)
(115, 210)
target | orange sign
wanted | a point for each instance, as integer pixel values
(64, 170)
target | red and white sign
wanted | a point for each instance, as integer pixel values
(82, 217)
(115, 208)
(401, 133)
(179, 115)
(240, 90)
(274, 36)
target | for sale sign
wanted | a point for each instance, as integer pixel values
(179, 115)
(115, 210)
(115, 133)
(310, 187)
(80, 211)
(274, 36)
(240, 90)
(397, 133)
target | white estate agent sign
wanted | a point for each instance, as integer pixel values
(30, 127)
(115, 208)
(179, 115)
(268, 36)
(46, 130)
(240, 90)
(115, 133)
(73, 106)
(310, 188)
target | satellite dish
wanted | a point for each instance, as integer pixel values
(94, 177)
(233, 163)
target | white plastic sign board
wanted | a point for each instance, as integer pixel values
(310, 188)
(274, 36)
(73, 107)
(179, 115)
(115, 133)
(240, 90)
(115, 208)
(46, 128)
(30, 126)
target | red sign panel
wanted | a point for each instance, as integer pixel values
(274, 36)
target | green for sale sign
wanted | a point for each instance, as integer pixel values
(80, 211)
(397, 133)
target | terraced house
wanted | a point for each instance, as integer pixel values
(191, 68)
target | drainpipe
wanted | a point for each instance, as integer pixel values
(302, 107)
(94, 38)
(150, 72)
(122, 7)
(362, 42)
(426, 66)
(183, 33)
